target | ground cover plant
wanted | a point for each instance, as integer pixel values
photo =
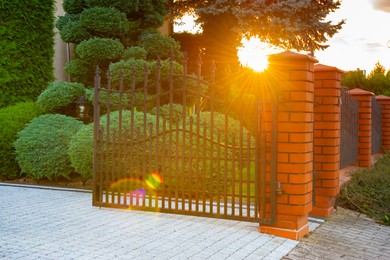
(368, 191)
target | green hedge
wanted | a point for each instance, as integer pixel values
(26, 49)
(42, 147)
(13, 119)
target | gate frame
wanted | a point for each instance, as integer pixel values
(98, 187)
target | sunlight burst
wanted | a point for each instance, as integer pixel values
(254, 54)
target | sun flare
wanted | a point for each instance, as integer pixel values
(254, 54)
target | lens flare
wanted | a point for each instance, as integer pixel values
(154, 181)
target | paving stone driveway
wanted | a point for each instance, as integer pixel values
(347, 235)
(47, 224)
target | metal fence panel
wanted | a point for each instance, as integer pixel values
(376, 126)
(348, 129)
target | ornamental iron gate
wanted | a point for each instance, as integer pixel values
(163, 143)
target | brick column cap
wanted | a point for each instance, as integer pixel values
(382, 98)
(289, 55)
(360, 92)
(322, 67)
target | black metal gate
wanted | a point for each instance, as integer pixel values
(164, 144)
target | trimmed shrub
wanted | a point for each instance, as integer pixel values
(160, 46)
(80, 71)
(81, 151)
(13, 119)
(42, 147)
(74, 32)
(58, 95)
(127, 67)
(26, 49)
(165, 112)
(99, 50)
(81, 145)
(135, 52)
(73, 6)
(63, 20)
(104, 21)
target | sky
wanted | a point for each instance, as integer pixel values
(363, 40)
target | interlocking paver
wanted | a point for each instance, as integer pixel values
(52, 224)
(347, 235)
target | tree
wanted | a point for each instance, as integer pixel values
(377, 80)
(354, 79)
(103, 29)
(290, 24)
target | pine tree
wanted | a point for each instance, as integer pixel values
(291, 24)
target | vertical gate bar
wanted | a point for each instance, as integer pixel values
(226, 171)
(101, 163)
(114, 192)
(119, 175)
(263, 174)
(234, 175)
(125, 158)
(132, 137)
(188, 172)
(166, 188)
(210, 176)
(274, 160)
(137, 169)
(241, 144)
(177, 137)
(108, 125)
(248, 174)
(169, 172)
(184, 118)
(157, 151)
(149, 170)
(96, 178)
(203, 174)
(218, 171)
(197, 158)
(145, 131)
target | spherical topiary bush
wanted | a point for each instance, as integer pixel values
(74, 32)
(81, 151)
(80, 71)
(165, 112)
(134, 52)
(99, 50)
(104, 21)
(159, 45)
(73, 6)
(63, 20)
(127, 67)
(58, 95)
(42, 147)
(81, 145)
(12, 120)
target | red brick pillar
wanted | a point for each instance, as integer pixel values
(385, 103)
(327, 94)
(364, 121)
(292, 75)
